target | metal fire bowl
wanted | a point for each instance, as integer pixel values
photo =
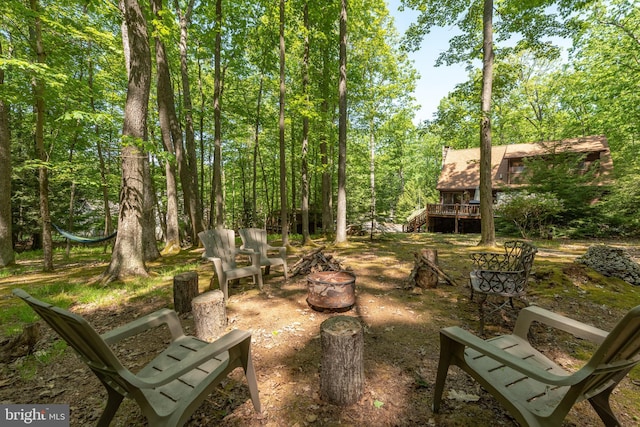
(331, 290)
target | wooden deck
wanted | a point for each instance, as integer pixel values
(455, 212)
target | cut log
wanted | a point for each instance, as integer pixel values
(426, 273)
(209, 315)
(342, 364)
(185, 289)
(21, 345)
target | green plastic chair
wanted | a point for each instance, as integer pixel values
(170, 387)
(220, 248)
(255, 239)
(535, 390)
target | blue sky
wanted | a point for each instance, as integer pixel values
(435, 82)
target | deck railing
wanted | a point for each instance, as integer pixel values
(466, 210)
(438, 210)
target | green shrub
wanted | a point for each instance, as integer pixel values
(530, 212)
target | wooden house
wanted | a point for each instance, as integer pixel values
(458, 210)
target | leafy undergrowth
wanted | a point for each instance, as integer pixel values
(401, 335)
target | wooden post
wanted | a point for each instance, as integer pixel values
(185, 288)
(456, 220)
(342, 365)
(209, 315)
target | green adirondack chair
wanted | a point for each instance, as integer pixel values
(535, 390)
(220, 248)
(256, 240)
(170, 387)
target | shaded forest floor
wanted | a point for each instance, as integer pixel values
(401, 334)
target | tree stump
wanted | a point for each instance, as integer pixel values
(426, 273)
(427, 277)
(21, 345)
(185, 289)
(342, 365)
(209, 315)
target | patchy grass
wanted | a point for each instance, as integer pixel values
(76, 281)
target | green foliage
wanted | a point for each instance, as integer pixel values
(564, 176)
(532, 213)
(619, 207)
(85, 87)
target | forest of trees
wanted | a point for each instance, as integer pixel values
(244, 113)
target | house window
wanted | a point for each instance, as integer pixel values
(588, 161)
(516, 168)
(451, 198)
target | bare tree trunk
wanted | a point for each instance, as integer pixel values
(203, 102)
(217, 153)
(128, 254)
(341, 212)
(372, 176)
(304, 167)
(265, 183)
(284, 217)
(172, 236)
(488, 234)
(72, 197)
(149, 241)
(7, 256)
(157, 203)
(256, 148)
(43, 173)
(293, 225)
(168, 119)
(326, 189)
(190, 188)
(108, 225)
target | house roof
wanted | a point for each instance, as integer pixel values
(461, 168)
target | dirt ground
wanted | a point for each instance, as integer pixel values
(401, 350)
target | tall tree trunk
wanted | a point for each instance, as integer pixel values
(293, 225)
(7, 256)
(168, 120)
(128, 254)
(326, 187)
(304, 166)
(217, 153)
(284, 217)
(256, 152)
(372, 176)
(72, 198)
(268, 201)
(189, 161)
(341, 212)
(203, 103)
(488, 234)
(108, 225)
(41, 154)
(149, 241)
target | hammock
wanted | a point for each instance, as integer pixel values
(80, 239)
